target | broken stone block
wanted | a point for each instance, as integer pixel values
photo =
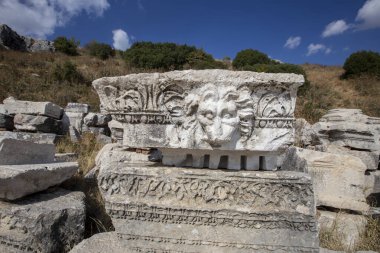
(66, 157)
(305, 135)
(77, 108)
(370, 159)
(96, 130)
(32, 123)
(40, 138)
(13, 106)
(156, 208)
(73, 119)
(97, 119)
(117, 131)
(339, 180)
(14, 151)
(6, 122)
(346, 227)
(372, 182)
(17, 181)
(101, 243)
(48, 222)
(349, 128)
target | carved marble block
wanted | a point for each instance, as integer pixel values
(217, 111)
(164, 209)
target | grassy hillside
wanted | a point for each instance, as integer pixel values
(48, 77)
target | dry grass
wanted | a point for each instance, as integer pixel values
(327, 91)
(31, 77)
(87, 149)
(369, 240)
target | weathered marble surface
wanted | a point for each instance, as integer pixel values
(40, 138)
(15, 151)
(13, 106)
(17, 181)
(48, 222)
(350, 128)
(199, 210)
(33, 123)
(203, 109)
(339, 180)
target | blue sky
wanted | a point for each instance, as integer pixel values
(323, 31)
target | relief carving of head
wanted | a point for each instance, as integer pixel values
(218, 112)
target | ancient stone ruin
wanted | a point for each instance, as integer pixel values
(215, 129)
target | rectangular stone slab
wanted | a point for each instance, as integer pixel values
(32, 123)
(16, 151)
(203, 109)
(17, 181)
(40, 138)
(156, 208)
(13, 106)
(47, 222)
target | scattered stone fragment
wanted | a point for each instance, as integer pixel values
(96, 130)
(372, 182)
(15, 151)
(32, 123)
(66, 157)
(48, 222)
(97, 119)
(339, 180)
(350, 128)
(6, 122)
(116, 131)
(101, 243)
(40, 138)
(17, 181)
(47, 109)
(346, 227)
(77, 107)
(304, 134)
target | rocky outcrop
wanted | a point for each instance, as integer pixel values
(9, 39)
(349, 128)
(47, 222)
(339, 180)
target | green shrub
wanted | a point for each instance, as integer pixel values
(100, 50)
(250, 57)
(362, 62)
(67, 72)
(201, 60)
(66, 46)
(168, 56)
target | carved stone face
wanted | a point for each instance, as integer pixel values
(217, 115)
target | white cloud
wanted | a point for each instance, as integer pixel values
(369, 15)
(121, 40)
(335, 28)
(317, 48)
(293, 42)
(39, 18)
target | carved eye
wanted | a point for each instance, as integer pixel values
(209, 115)
(227, 116)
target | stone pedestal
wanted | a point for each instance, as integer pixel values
(170, 209)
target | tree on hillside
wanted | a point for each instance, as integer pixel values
(66, 46)
(362, 62)
(168, 56)
(250, 57)
(100, 50)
